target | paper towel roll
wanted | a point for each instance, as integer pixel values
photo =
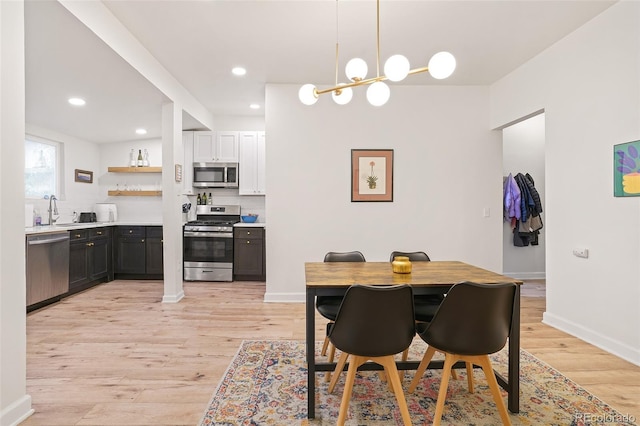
(106, 212)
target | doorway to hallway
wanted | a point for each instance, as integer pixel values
(523, 151)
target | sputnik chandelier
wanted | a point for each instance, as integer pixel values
(440, 66)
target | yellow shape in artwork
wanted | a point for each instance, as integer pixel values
(631, 183)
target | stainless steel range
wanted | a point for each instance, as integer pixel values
(208, 244)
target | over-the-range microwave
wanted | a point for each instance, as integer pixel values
(215, 175)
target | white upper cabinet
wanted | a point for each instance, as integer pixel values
(215, 146)
(252, 163)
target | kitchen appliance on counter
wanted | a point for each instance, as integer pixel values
(106, 212)
(215, 175)
(208, 243)
(87, 217)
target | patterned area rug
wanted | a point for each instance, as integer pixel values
(266, 384)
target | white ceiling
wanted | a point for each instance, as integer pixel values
(290, 41)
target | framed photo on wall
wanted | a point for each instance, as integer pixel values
(371, 175)
(83, 176)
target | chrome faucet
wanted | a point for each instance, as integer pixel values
(52, 201)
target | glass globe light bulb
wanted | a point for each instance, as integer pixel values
(396, 68)
(307, 94)
(378, 93)
(356, 69)
(441, 65)
(344, 97)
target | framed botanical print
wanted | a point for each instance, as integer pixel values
(371, 175)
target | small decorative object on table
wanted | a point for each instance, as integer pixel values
(401, 265)
(250, 218)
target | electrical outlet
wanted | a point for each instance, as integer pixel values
(581, 252)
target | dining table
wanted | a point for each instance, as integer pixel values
(432, 277)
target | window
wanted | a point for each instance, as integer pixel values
(42, 168)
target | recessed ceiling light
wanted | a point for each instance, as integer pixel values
(77, 101)
(239, 71)
(141, 131)
(254, 106)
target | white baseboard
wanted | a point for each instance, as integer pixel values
(17, 412)
(614, 347)
(173, 298)
(285, 297)
(526, 275)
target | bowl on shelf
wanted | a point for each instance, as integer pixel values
(249, 218)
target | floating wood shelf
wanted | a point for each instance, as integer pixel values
(135, 169)
(135, 193)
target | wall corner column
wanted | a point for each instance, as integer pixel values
(172, 154)
(15, 403)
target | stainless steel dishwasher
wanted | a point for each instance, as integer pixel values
(47, 266)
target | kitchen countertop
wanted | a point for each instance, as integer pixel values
(250, 225)
(45, 229)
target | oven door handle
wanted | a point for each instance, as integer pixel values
(208, 234)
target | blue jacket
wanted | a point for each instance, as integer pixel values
(512, 202)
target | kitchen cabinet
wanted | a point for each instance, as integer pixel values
(130, 193)
(90, 260)
(252, 163)
(215, 146)
(154, 250)
(134, 256)
(187, 166)
(130, 250)
(249, 254)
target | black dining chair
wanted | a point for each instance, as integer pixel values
(426, 305)
(473, 321)
(373, 324)
(328, 306)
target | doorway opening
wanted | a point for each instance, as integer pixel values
(523, 151)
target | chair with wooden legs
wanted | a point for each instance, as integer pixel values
(472, 322)
(328, 306)
(425, 306)
(373, 324)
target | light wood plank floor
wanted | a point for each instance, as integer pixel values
(116, 355)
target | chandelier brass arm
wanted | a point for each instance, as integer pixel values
(357, 83)
(441, 65)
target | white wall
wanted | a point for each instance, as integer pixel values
(447, 169)
(145, 209)
(131, 209)
(589, 86)
(523, 152)
(77, 196)
(247, 123)
(15, 403)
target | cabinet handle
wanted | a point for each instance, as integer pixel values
(131, 231)
(99, 232)
(248, 232)
(90, 244)
(142, 240)
(248, 242)
(78, 235)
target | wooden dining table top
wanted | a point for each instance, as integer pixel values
(433, 273)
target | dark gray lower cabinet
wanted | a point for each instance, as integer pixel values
(138, 252)
(90, 261)
(249, 254)
(154, 250)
